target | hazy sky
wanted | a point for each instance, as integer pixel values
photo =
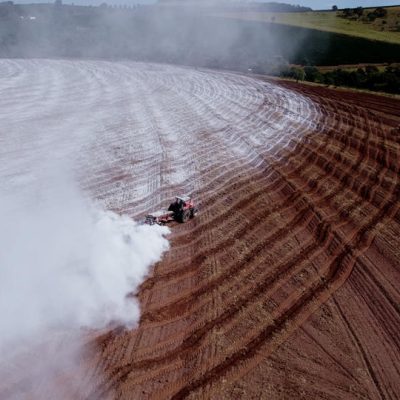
(315, 4)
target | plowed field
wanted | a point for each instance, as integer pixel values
(286, 285)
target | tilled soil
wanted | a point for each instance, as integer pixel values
(286, 285)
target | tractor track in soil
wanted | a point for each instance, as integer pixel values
(285, 284)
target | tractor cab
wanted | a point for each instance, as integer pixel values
(180, 202)
(183, 208)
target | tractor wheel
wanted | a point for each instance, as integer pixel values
(185, 216)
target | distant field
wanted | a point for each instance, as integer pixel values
(329, 22)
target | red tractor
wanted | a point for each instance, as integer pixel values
(181, 209)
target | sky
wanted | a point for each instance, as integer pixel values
(314, 4)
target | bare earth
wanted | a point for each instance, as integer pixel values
(286, 285)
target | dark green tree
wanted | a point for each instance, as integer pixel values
(347, 13)
(311, 73)
(298, 73)
(380, 12)
(359, 11)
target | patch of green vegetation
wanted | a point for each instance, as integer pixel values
(369, 77)
(355, 67)
(360, 24)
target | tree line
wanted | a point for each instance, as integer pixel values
(369, 77)
(358, 12)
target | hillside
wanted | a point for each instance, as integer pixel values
(236, 6)
(383, 29)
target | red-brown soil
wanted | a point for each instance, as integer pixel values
(287, 283)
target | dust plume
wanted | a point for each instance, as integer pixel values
(66, 263)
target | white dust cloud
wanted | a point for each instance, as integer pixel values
(66, 264)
